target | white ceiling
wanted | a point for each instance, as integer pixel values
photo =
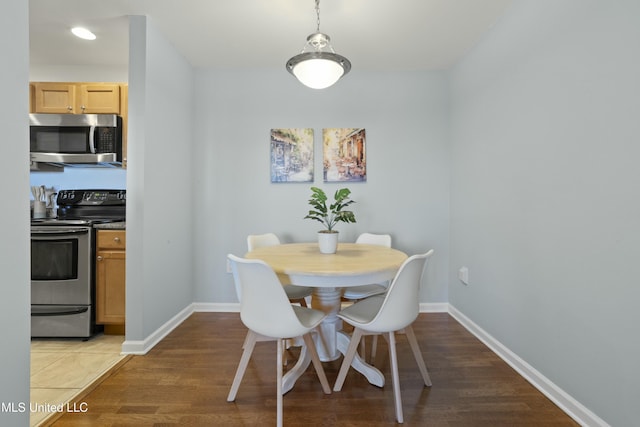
(373, 34)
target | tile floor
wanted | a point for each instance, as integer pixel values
(61, 369)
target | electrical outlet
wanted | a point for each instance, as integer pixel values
(463, 275)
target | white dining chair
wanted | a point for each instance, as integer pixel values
(355, 293)
(387, 314)
(266, 311)
(296, 294)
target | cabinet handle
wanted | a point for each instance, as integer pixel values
(99, 258)
(116, 239)
(83, 107)
(69, 107)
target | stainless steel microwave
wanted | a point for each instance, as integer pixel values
(76, 139)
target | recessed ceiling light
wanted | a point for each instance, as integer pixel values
(83, 33)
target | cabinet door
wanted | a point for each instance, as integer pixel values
(110, 287)
(54, 98)
(99, 99)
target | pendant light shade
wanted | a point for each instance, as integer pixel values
(318, 66)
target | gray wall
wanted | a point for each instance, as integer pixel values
(159, 182)
(544, 195)
(14, 245)
(406, 193)
(78, 73)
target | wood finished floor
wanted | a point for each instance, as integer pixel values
(185, 379)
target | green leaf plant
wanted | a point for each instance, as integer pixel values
(335, 213)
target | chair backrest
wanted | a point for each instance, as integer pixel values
(401, 302)
(264, 306)
(255, 241)
(375, 239)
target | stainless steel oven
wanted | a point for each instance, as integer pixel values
(62, 294)
(63, 262)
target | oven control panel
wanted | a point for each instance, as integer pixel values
(92, 197)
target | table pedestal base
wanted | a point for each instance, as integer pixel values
(328, 300)
(331, 341)
(370, 372)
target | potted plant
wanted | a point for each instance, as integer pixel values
(330, 216)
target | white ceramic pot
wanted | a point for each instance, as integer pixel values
(328, 242)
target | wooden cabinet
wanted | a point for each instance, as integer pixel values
(110, 278)
(102, 98)
(53, 98)
(76, 98)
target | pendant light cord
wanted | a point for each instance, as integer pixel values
(318, 15)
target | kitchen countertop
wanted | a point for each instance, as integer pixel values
(122, 225)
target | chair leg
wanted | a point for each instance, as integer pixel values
(348, 358)
(284, 347)
(279, 381)
(374, 346)
(249, 344)
(413, 342)
(303, 302)
(395, 377)
(363, 344)
(317, 364)
(246, 339)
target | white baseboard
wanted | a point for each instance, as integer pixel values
(142, 347)
(234, 307)
(217, 307)
(564, 401)
(434, 307)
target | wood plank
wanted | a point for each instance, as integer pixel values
(185, 380)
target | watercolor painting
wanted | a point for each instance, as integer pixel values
(292, 155)
(345, 153)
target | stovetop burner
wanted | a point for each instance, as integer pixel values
(87, 207)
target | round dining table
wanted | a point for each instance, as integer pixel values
(352, 265)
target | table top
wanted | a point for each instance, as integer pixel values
(352, 265)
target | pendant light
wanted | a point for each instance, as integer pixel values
(318, 66)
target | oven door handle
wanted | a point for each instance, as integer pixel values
(58, 231)
(65, 310)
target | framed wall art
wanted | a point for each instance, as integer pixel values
(292, 155)
(344, 154)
